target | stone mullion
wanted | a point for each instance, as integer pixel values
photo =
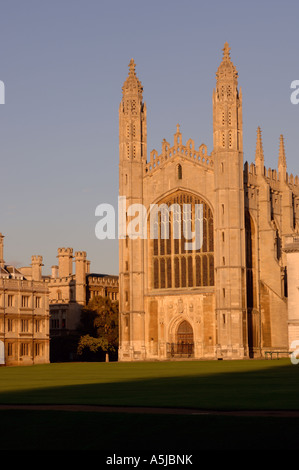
(168, 255)
(172, 253)
(193, 251)
(159, 251)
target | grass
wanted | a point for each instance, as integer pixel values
(208, 385)
(222, 385)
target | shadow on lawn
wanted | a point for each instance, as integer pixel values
(273, 388)
(132, 434)
(264, 389)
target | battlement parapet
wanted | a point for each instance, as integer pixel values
(80, 255)
(187, 151)
(36, 259)
(65, 251)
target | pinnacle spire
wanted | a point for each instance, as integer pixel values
(132, 83)
(226, 69)
(259, 152)
(282, 156)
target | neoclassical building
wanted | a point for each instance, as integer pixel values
(24, 313)
(228, 297)
(36, 309)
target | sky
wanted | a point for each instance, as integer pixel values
(63, 64)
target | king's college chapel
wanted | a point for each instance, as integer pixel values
(237, 295)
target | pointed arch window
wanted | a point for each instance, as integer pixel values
(173, 266)
(179, 172)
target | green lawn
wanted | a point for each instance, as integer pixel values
(261, 384)
(222, 385)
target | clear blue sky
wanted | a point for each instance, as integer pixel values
(63, 63)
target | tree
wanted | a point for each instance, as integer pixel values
(99, 326)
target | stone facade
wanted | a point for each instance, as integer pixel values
(24, 313)
(36, 308)
(292, 254)
(227, 299)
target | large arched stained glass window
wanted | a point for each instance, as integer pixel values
(176, 263)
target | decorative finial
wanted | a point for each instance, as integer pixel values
(178, 128)
(226, 49)
(132, 66)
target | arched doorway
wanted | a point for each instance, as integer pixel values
(184, 339)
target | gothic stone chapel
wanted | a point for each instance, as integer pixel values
(227, 299)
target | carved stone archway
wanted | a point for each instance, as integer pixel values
(184, 341)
